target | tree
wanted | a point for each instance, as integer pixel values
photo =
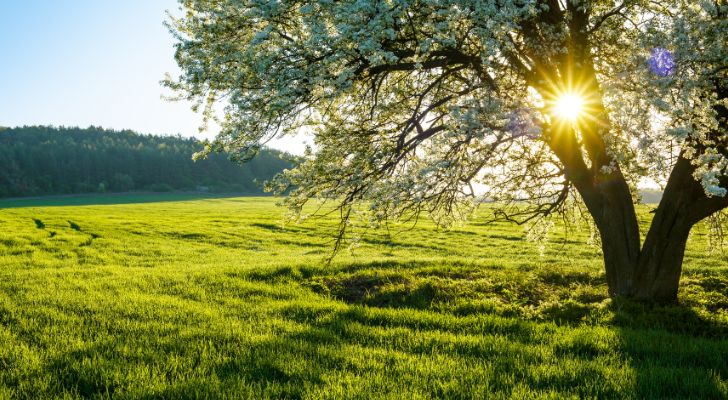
(38, 160)
(544, 104)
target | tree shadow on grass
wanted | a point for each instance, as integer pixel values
(513, 353)
(506, 349)
(279, 228)
(387, 242)
(675, 352)
(284, 366)
(639, 352)
(380, 290)
(306, 271)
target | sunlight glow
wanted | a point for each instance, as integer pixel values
(569, 106)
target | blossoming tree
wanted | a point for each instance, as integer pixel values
(423, 105)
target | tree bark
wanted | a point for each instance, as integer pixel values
(660, 264)
(651, 273)
(684, 203)
(616, 220)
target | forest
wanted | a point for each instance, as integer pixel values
(46, 160)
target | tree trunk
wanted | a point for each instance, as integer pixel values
(660, 263)
(616, 221)
(683, 204)
(651, 273)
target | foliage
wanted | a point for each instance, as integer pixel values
(419, 106)
(179, 300)
(413, 104)
(42, 160)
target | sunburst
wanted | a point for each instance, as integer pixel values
(569, 106)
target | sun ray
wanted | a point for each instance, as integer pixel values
(569, 106)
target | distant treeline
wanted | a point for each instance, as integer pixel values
(40, 160)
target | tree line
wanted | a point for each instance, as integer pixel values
(46, 160)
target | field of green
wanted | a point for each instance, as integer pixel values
(215, 298)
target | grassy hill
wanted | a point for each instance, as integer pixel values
(214, 298)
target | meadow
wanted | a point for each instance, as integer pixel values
(217, 298)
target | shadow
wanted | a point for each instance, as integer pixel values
(389, 243)
(674, 352)
(568, 313)
(269, 275)
(511, 238)
(674, 318)
(290, 228)
(390, 290)
(364, 325)
(395, 265)
(270, 227)
(387, 336)
(713, 283)
(306, 271)
(70, 374)
(671, 351)
(567, 278)
(276, 367)
(189, 236)
(299, 243)
(329, 348)
(464, 233)
(74, 226)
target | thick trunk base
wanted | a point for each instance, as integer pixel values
(654, 275)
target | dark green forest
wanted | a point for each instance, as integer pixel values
(42, 160)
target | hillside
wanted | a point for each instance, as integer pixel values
(40, 160)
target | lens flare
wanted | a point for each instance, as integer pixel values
(662, 62)
(569, 106)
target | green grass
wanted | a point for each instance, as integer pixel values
(109, 198)
(214, 298)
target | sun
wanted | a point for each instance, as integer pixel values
(569, 106)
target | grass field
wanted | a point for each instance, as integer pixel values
(102, 199)
(214, 298)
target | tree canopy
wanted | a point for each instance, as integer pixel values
(41, 160)
(428, 105)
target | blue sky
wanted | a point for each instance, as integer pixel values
(92, 62)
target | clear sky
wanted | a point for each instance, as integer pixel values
(92, 62)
